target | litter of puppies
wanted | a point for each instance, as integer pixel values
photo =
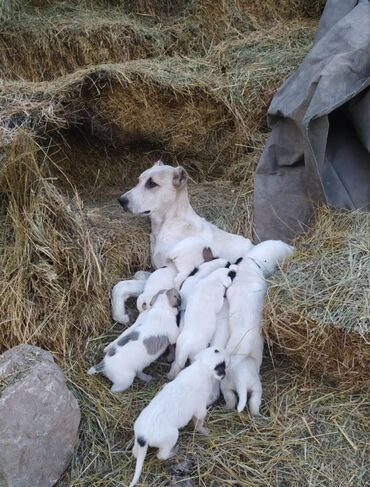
(218, 302)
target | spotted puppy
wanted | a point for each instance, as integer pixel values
(143, 345)
(175, 405)
(161, 279)
(204, 302)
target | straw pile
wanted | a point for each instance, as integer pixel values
(319, 311)
(91, 95)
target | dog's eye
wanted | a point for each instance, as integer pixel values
(217, 351)
(150, 184)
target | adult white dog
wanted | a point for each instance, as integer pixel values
(175, 405)
(162, 195)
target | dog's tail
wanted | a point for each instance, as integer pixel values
(96, 369)
(139, 450)
(241, 389)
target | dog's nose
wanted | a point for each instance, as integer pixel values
(123, 201)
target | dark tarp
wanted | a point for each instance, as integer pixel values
(319, 148)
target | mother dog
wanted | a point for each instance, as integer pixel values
(162, 194)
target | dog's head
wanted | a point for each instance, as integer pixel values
(157, 190)
(216, 361)
(269, 254)
(170, 296)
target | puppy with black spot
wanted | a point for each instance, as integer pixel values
(178, 402)
(204, 302)
(246, 298)
(135, 351)
(159, 280)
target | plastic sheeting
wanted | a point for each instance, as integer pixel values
(319, 148)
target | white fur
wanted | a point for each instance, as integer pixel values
(174, 406)
(123, 363)
(159, 280)
(222, 333)
(203, 304)
(120, 294)
(138, 322)
(243, 377)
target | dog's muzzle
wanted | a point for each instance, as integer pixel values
(123, 201)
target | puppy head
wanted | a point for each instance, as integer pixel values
(156, 191)
(270, 253)
(215, 360)
(174, 298)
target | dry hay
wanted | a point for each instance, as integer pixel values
(311, 433)
(319, 309)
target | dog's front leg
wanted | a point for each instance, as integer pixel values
(199, 424)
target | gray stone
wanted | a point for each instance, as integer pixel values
(39, 419)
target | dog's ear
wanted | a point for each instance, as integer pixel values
(154, 298)
(180, 177)
(174, 297)
(207, 254)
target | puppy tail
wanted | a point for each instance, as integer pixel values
(140, 448)
(96, 369)
(241, 389)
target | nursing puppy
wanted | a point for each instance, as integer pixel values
(247, 293)
(148, 341)
(161, 279)
(187, 255)
(243, 379)
(175, 405)
(199, 326)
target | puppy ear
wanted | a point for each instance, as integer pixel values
(207, 254)
(174, 297)
(179, 177)
(154, 298)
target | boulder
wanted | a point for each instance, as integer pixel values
(39, 419)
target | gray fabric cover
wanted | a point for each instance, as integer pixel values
(319, 148)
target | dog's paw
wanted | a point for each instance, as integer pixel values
(123, 319)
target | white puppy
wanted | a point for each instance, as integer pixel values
(161, 279)
(187, 255)
(120, 294)
(203, 304)
(148, 341)
(243, 378)
(175, 405)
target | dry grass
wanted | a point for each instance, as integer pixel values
(319, 312)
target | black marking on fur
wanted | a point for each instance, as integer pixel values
(141, 441)
(232, 275)
(100, 366)
(164, 267)
(156, 344)
(238, 260)
(217, 351)
(178, 318)
(221, 369)
(130, 337)
(193, 272)
(228, 265)
(111, 352)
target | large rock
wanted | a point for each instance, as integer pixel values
(39, 419)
